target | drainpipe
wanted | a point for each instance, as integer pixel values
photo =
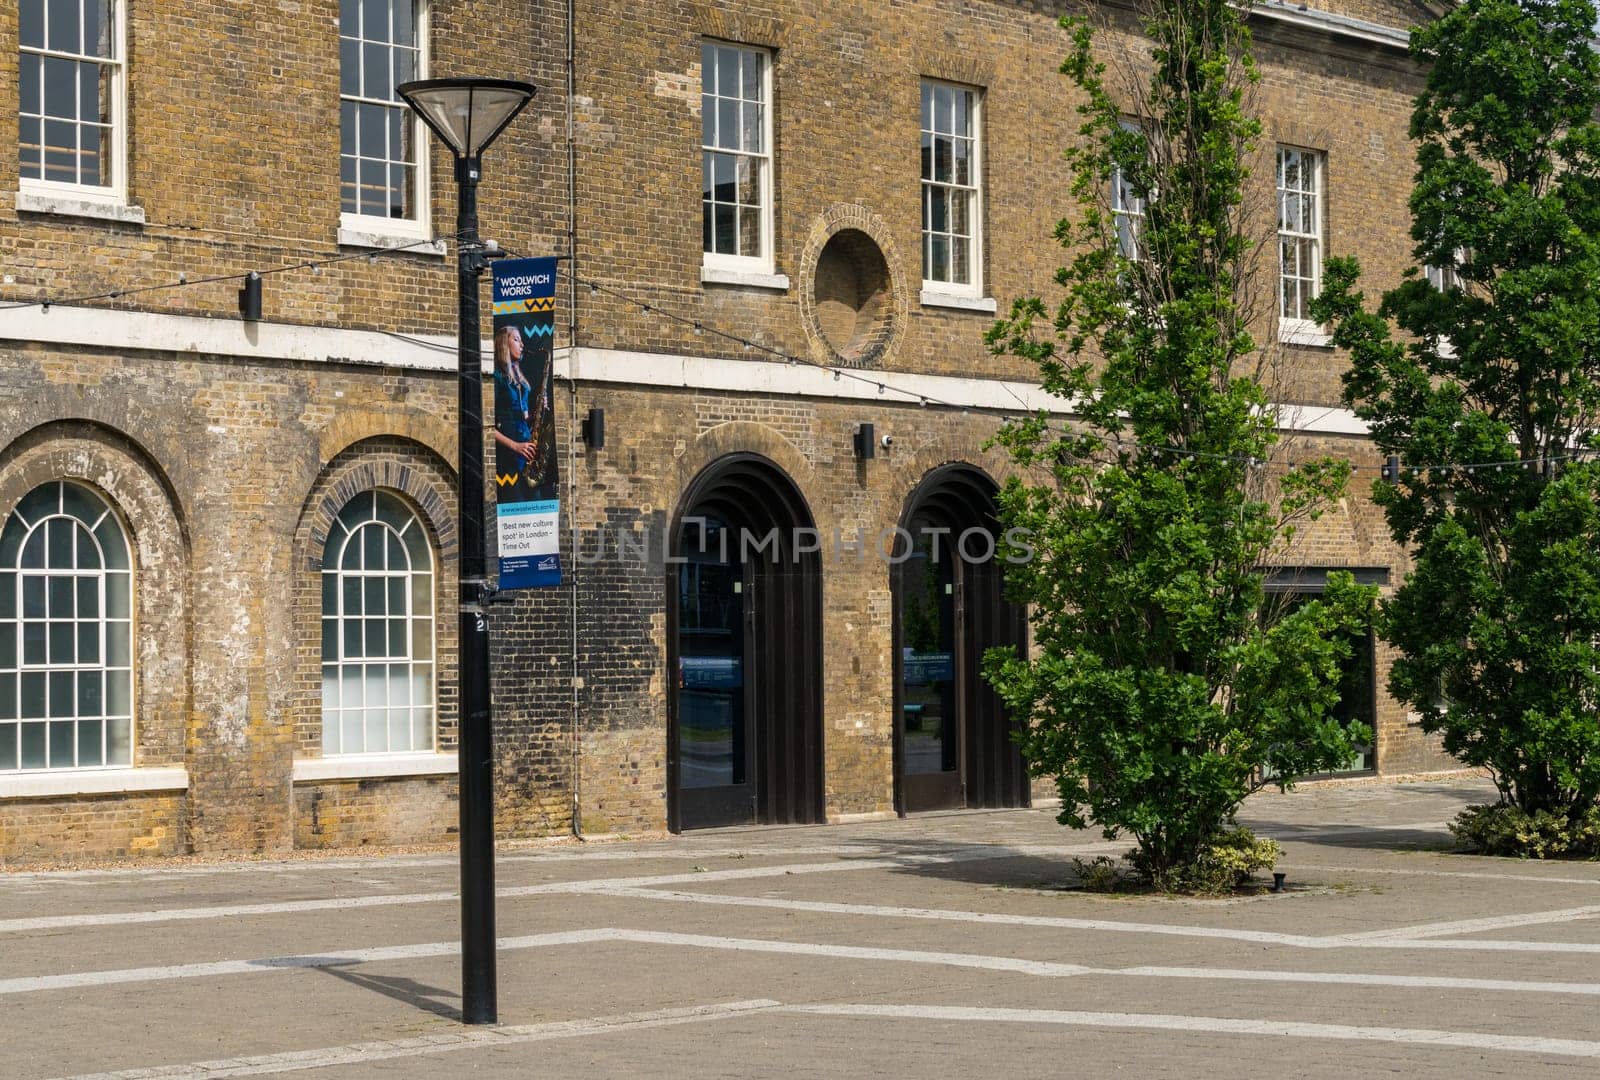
(572, 397)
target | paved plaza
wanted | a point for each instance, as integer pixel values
(936, 946)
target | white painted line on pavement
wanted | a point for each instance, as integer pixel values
(1470, 875)
(1298, 941)
(601, 885)
(953, 915)
(1522, 1044)
(443, 1043)
(1474, 926)
(976, 961)
(346, 958)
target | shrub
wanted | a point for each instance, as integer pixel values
(1504, 829)
(1225, 862)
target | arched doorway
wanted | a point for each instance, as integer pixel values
(744, 632)
(952, 737)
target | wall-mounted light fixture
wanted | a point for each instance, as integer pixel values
(593, 429)
(866, 443)
(250, 297)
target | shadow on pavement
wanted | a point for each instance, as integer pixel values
(445, 1003)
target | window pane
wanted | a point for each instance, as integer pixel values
(63, 694)
(118, 744)
(960, 213)
(939, 257)
(375, 20)
(89, 750)
(31, 25)
(33, 746)
(724, 231)
(8, 696)
(959, 256)
(33, 637)
(352, 737)
(29, 77)
(8, 648)
(62, 749)
(352, 640)
(372, 548)
(748, 178)
(30, 150)
(349, 17)
(330, 639)
(728, 124)
(376, 645)
(749, 231)
(727, 71)
(8, 745)
(750, 135)
(375, 592)
(962, 149)
(349, 68)
(117, 596)
(88, 643)
(375, 71)
(62, 604)
(422, 594)
(32, 701)
(349, 687)
(724, 187)
(88, 554)
(117, 642)
(119, 699)
(61, 92)
(943, 155)
(405, 23)
(113, 545)
(939, 210)
(352, 595)
(33, 591)
(927, 106)
(422, 638)
(90, 699)
(65, 26)
(62, 643)
(398, 559)
(751, 71)
(961, 114)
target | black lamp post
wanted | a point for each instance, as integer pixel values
(467, 114)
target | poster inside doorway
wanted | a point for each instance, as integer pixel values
(527, 485)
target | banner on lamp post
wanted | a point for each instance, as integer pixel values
(527, 503)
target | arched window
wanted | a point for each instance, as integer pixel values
(377, 630)
(66, 633)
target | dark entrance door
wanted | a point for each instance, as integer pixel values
(744, 627)
(715, 751)
(953, 744)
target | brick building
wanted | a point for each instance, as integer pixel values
(227, 615)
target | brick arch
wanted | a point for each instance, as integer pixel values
(140, 494)
(749, 437)
(352, 427)
(420, 476)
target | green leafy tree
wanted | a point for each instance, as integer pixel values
(1494, 358)
(1164, 686)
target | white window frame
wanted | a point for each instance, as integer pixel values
(56, 196)
(333, 713)
(104, 666)
(1127, 207)
(727, 267)
(376, 230)
(1297, 330)
(1445, 278)
(934, 290)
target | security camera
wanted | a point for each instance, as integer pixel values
(886, 442)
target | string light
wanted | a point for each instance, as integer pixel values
(1545, 465)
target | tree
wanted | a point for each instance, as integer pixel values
(1496, 360)
(1164, 687)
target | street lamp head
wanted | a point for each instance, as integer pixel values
(467, 113)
